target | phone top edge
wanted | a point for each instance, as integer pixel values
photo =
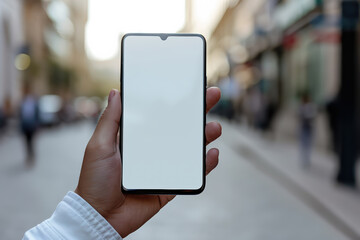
(167, 34)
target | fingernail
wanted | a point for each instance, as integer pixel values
(111, 95)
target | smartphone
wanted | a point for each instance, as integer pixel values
(162, 135)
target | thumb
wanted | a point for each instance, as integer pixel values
(108, 126)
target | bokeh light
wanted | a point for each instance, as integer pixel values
(22, 61)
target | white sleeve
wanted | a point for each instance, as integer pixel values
(73, 218)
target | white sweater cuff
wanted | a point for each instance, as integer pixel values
(74, 218)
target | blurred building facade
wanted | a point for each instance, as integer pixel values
(282, 49)
(11, 40)
(65, 38)
(42, 48)
(35, 21)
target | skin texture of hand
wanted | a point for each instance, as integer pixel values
(100, 176)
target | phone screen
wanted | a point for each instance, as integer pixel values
(163, 83)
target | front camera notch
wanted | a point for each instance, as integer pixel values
(163, 37)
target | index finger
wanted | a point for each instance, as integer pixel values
(213, 95)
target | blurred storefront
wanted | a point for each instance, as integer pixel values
(282, 50)
(308, 53)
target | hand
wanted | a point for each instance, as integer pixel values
(100, 176)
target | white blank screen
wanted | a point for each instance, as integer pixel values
(163, 112)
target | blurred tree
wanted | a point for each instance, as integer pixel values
(61, 79)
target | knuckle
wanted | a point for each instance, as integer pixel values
(100, 148)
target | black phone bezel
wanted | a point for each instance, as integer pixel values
(164, 191)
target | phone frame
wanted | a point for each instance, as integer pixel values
(164, 191)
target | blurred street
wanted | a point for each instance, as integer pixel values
(30, 195)
(245, 198)
(290, 109)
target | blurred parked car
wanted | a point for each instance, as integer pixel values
(89, 108)
(49, 109)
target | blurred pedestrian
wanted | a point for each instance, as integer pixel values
(29, 119)
(269, 112)
(230, 94)
(307, 116)
(253, 106)
(2, 119)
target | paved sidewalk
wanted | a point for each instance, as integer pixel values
(242, 200)
(315, 186)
